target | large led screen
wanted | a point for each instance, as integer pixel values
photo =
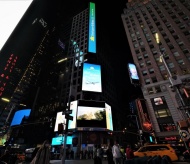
(73, 107)
(91, 80)
(60, 140)
(11, 11)
(91, 114)
(109, 121)
(60, 119)
(92, 29)
(19, 115)
(133, 71)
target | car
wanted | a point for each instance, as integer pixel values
(157, 149)
(30, 153)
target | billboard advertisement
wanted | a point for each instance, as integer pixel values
(19, 115)
(60, 119)
(133, 74)
(92, 29)
(73, 107)
(91, 80)
(109, 121)
(60, 140)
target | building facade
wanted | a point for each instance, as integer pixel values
(143, 20)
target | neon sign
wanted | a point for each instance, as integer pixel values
(4, 76)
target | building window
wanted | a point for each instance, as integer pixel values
(161, 67)
(148, 62)
(171, 65)
(144, 73)
(185, 51)
(181, 62)
(139, 57)
(142, 65)
(147, 81)
(176, 54)
(162, 113)
(154, 79)
(136, 45)
(145, 55)
(158, 89)
(150, 91)
(151, 70)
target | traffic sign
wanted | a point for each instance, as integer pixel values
(67, 112)
(68, 117)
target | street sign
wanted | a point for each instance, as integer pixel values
(68, 117)
(67, 112)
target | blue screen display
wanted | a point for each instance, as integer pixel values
(19, 115)
(59, 140)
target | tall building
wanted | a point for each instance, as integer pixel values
(73, 40)
(164, 84)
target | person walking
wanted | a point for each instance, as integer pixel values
(109, 155)
(117, 157)
(129, 152)
(43, 155)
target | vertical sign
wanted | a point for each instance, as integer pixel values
(92, 29)
(109, 117)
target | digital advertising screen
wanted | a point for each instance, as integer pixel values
(109, 121)
(158, 101)
(91, 80)
(92, 29)
(133, 71)
(60, 119)
(73, 107)
(60, 140)
(11, 12)
(19, 115)
(91, 114)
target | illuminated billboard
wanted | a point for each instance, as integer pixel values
(109, 121)
(91, 114)
(19, 115)
(11, 12)
(60, 140)
(92, 29)
(91, 80)
(60, 119)
(133, 71)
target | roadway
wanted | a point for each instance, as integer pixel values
(90, 161)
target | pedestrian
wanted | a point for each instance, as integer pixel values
(109, 155)
(97, 157)
(43, 155)
(117, 157)
(129, 152)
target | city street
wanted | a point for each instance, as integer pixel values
(92, 162)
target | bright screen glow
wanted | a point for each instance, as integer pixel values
(133, 72)
(60, 119)
(158, 101)
(109, 122)
(91, 80)
(60, 140)
(19, 115)
(73, 107)
(91, 117)
(11, 11)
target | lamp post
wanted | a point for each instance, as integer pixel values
(139, 130)
(175, 81)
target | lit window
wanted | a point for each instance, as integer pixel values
(181, 62)
(171, 65)
(147, 81)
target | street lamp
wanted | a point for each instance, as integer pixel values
(175, 81)
(139, 130)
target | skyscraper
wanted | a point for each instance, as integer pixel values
(67, 45)
(162, 84)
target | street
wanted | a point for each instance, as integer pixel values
(92, 162)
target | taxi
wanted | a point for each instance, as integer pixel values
(157, 149)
